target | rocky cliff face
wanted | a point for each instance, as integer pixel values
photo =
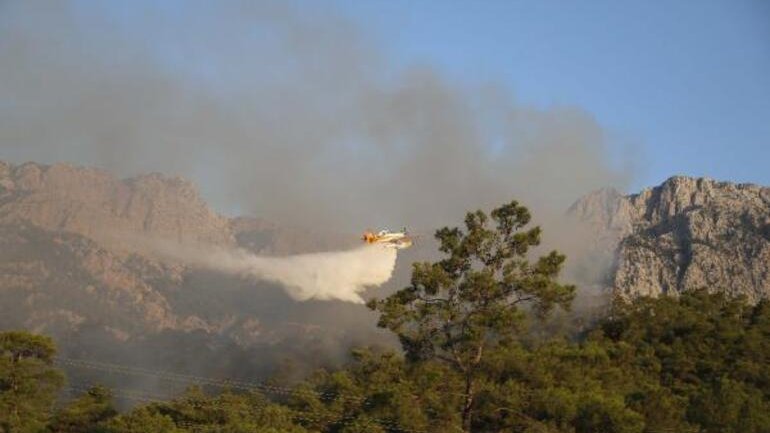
(92, 203)
(684, 234)
(68, 268)
(61, 267)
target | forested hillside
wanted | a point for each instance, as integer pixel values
(699, 362)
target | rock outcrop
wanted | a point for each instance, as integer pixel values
(76, 264)
(64, 261)
(92, 203)
(685, 234)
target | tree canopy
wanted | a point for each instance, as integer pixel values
(462, 307)
(28, 381)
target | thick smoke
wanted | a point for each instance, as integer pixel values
(293, 115)
(290, 114)
(335, 275)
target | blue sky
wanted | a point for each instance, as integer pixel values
(688, 81)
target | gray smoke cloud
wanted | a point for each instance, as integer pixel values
(294, 115)
(291, 114)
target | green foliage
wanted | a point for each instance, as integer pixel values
(228, 413)
(470, 302)
(382, 392)
(84, 414)
(28, 382)
(698, 363)
(141, 420)
(708, 355)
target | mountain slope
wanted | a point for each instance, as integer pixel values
(88, 201)
(69, 268)
(685, 234)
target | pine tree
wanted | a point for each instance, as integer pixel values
(28, 381)
(470, 302)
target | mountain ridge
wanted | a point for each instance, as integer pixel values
(64, 272)
(71, 265)
(687, 233)
(89, 201)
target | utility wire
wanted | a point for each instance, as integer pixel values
(231, 384)
(201, 380)
(303, 415)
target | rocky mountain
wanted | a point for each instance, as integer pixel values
(89, 201)
(69, 268)
(685, 234)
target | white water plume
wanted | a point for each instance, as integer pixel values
(333, 275)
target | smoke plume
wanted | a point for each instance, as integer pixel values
(296, 116)
(292, 114)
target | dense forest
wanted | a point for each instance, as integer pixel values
(471, 361)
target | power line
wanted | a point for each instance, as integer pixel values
(128, 394)
(299, 414)
(228, 383)
(201, 380)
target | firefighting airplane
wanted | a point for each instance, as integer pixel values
(387, 238)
